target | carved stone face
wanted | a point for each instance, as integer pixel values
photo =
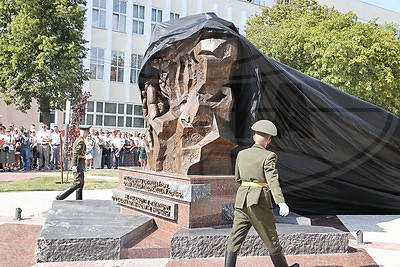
(188, 109)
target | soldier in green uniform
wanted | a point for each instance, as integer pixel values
(78, 165)
(256, 171)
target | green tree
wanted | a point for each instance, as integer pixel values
(362, 59)
(41, 53)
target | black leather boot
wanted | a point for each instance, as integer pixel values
(230, 259)
(79, 194)
(66, 193)
(279, 260)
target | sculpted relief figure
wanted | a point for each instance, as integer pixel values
(188, 108)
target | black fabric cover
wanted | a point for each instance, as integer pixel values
(337, 154)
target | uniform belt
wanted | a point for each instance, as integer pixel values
(256, 184)
(81, 157)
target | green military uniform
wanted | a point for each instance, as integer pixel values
(256, 171)
(253, 205)
(78, 160)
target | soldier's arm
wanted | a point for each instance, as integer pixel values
(272, 177)
(237, 173)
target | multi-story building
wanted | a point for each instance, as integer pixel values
(118, 33)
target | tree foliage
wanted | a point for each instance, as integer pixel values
(41, 53)
(362, 59)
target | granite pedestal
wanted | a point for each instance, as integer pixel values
(88, 230)
(175, 201)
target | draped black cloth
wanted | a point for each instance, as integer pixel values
(337, 154)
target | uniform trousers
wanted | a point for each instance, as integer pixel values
(79, 180)
(262, 218)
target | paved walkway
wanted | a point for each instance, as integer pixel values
(381, 236)
(18, 238)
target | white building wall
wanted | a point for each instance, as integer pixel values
(363, 10)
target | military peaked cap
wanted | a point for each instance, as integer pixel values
(84, 127)
(264, 127)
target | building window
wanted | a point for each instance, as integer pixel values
(117, 66)
(119, 15)
(109, 114)
(138, 19)
(173, 16)
(136, 62)
(96, 63)
(156, 16)
(99, 13)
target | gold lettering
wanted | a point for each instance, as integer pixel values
(145, 204)
(150, 186)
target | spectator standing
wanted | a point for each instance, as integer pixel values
(2, 145)
(98, 151)
(55, 145)
(34, 149)
(106, 153)
(44, 141)
(142, 151)
(135, 150)
(129, 146)
(17, 148)
(26, 151)
(9, 149)
(118, 144)
(89, 152)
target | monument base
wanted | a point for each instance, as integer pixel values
(295, 240)
(176, 201)
(96, 230)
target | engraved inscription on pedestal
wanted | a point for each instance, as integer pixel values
(152, 205)
(177, 190)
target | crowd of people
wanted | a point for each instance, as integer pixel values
(113, 149)
(32, 149)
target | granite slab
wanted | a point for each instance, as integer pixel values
(88, 230)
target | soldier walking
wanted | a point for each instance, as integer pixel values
(256, 171)
(78, 165)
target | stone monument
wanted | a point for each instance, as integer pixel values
(187, 107)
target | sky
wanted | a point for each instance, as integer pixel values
(393, 5)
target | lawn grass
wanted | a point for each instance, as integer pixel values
(102, 172)
(95, 172)
(52, 184)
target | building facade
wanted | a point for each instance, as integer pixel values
(118, 32)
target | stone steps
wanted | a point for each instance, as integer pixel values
(295, 239)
